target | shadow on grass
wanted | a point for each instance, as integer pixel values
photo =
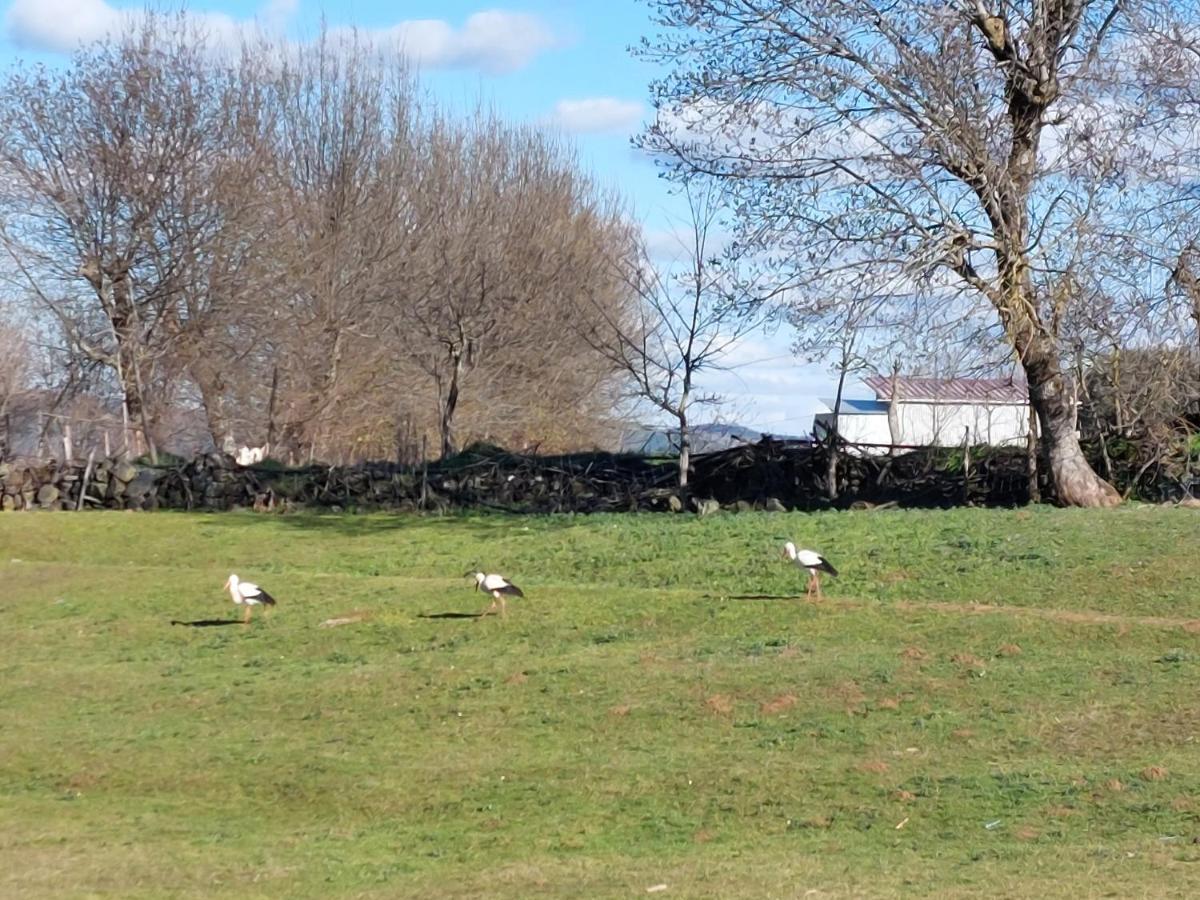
(755, 597)
(484, 522)
(207, 623)
(450, 615)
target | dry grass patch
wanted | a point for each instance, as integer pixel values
(1009, 650)
(1154, 773)
(782, 703)
(719, 704)
(873, 767)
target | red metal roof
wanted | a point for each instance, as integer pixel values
(950, 390)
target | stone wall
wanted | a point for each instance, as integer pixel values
(50, 484)
(771, 475)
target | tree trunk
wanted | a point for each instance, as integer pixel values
(450, 404)
(1075, 484)
(211, 384)
(271, 406)
(685, 450)
(123, 318)
(831, 485)
(1031, 459)
(893, 411)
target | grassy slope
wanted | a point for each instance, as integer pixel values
(641, 719)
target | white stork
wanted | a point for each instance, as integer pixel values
(246, 594)
(814, 562)
(496, 585)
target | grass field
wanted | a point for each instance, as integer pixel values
(987, 704)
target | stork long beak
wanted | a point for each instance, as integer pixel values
(226, 587)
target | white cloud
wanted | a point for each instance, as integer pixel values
(64, 25)
(60, 24)
(493, 41)
(597, 114)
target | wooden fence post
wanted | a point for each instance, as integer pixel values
(87, 473)
(967, 464)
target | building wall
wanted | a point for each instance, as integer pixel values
(857, 428)
(933, 424)
(944, 424)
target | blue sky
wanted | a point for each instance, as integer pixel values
(564, 64)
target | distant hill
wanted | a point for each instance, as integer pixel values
(651, 441)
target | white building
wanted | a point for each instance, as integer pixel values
(931, 412)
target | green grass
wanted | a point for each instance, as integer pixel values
(1017, 691)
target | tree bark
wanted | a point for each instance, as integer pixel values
(831, 485)
(1031, 459)
(450, 403)
(685, 449)
(1075, 483)
(212, 395)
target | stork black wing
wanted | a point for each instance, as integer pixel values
(263, 597)
(511, 589)
(827, 566)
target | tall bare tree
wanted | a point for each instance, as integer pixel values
(1017, 153)
(691, 314)
(513, 237)
(108, 166)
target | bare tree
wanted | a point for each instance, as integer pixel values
(15, 370)
(690, 315)
(107, 164)
(513, 239)
(288, 245)
(993, 146)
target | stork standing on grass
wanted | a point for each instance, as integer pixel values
(814, 562)
(496, 585)
(247, 595)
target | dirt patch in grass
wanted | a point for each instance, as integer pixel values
(1008, 650)
(1155, 773)
(620, 711)
(719, 704)
(849, 695)
(782, 703)
(1066, 616)
(914, 653)
(1058, 811)
(516, 678)
(1113, 729)
(969, 663)
(888, 703)
(873, 767)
